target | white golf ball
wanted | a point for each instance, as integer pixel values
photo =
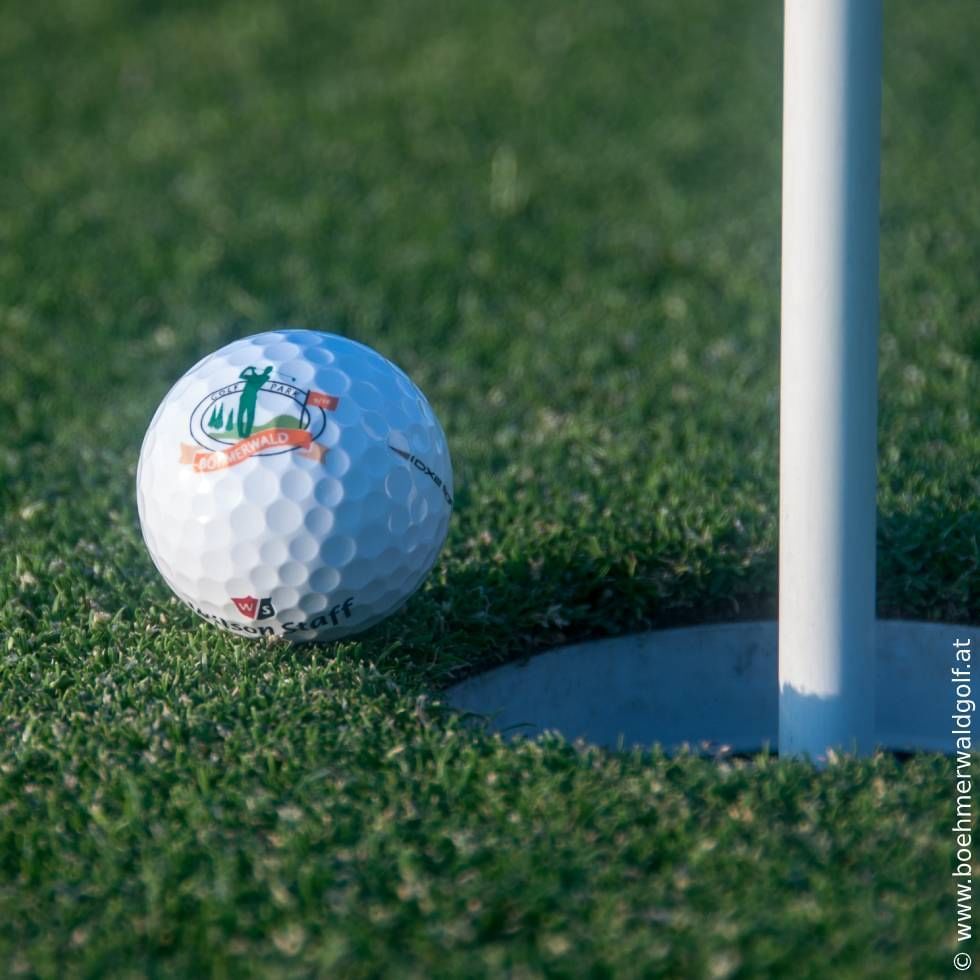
(294, 484)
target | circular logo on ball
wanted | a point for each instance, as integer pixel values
(255, 415)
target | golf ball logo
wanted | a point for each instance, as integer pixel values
(256, 416)
(254, 608)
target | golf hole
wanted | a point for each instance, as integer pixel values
(709, 688)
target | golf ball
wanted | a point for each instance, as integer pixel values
(294, 484)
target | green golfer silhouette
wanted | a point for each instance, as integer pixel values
(246, 401)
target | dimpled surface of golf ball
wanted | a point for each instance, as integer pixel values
(294, 484)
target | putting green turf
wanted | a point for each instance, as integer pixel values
(562, 220)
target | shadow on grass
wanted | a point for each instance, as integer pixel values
(929, 564)
(491, 610)
(498, 611)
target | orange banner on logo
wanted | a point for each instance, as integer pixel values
(205, 461)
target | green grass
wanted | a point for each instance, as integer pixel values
(562, 220)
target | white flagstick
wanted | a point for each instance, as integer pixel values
(831, 137)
